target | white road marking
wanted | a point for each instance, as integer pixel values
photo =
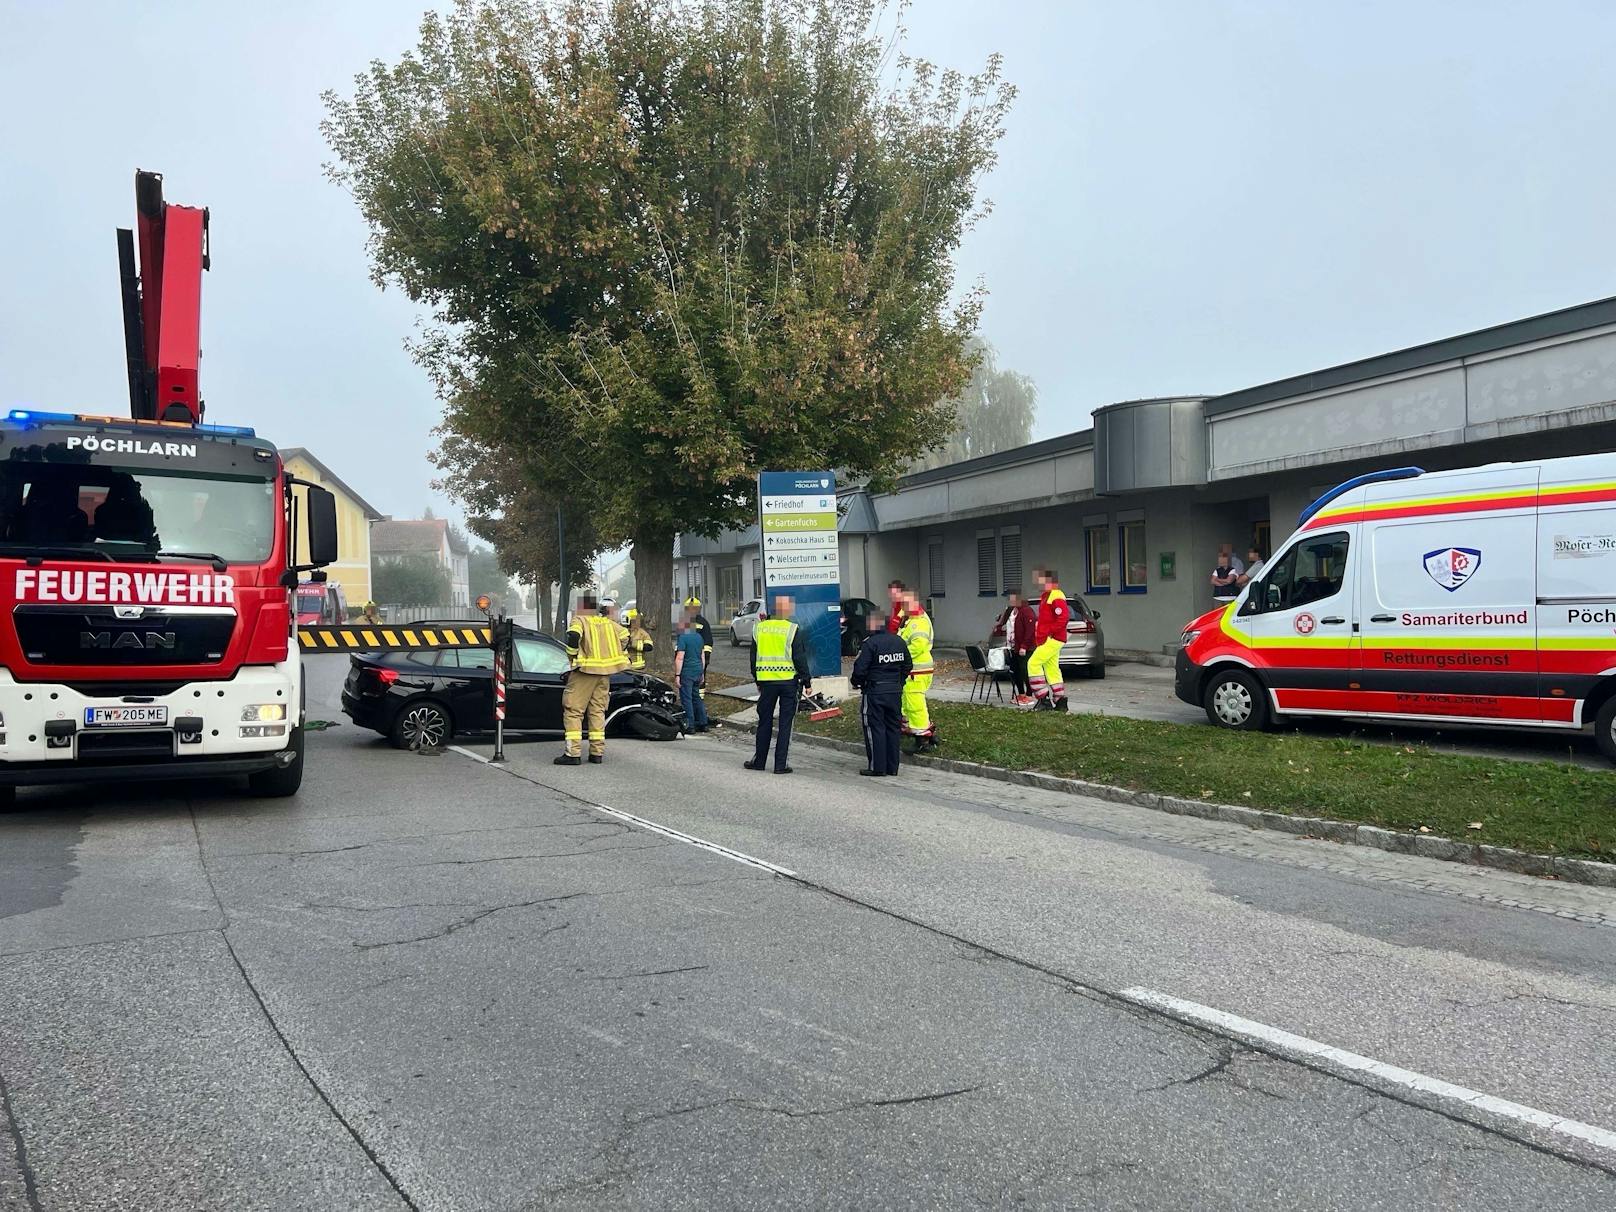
(1296, 1045)
(639, 821)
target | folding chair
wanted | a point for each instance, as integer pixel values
(987, 680)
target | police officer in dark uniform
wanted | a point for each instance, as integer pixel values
(879, 674)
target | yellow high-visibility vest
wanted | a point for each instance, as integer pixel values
(595, 644)
(917, 633)
(774, 638)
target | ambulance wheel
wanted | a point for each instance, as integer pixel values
(1233, 699)
(284, 780)
(1605, 728)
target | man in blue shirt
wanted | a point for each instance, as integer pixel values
(687, 667)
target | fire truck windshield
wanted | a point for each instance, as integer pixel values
(132, 513)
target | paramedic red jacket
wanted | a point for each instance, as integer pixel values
(1054, 612)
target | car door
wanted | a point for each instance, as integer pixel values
(1299, 619)
(533, 691)
(467, 678)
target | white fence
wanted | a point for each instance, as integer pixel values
(418, 614)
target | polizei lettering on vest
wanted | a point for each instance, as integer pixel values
(99, 587)
(174, 450)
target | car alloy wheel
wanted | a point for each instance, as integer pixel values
(424, 726)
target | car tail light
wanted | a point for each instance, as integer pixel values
(1081, 626)
(384, 677)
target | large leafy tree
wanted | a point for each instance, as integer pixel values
(671, 243)
(995, 411)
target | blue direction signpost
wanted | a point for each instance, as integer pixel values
(797, 526)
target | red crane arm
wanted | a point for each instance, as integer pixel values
(162, 306)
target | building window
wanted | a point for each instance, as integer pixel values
(936, 585)
(1010, 558)
(1131, 538)
(987, 571)
(1097, 545)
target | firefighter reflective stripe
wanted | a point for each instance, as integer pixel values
(917, 633)
(391, 639)
(599, 645)
(774, 638)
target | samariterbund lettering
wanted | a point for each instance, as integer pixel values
(1467, 618)
(99, 587)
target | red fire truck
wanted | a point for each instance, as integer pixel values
(147, 564)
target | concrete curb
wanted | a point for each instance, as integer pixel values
(1523, 862)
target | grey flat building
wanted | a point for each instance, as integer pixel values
(1133, 512)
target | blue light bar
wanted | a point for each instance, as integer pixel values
(1373, 477)
(29, 416)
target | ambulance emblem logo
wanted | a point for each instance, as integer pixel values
(1451, 567)
(1305, 623)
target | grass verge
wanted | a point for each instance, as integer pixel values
(1538, 806)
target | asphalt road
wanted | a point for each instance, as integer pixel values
(428, 982)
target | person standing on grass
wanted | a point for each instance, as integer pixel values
(918, 635)
(1043, 669)
(879, 675)
(690, 670)
(780, 668)
(1019, 629)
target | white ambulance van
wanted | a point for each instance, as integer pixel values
(1480, 596)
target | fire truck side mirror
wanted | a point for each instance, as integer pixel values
(322, 515)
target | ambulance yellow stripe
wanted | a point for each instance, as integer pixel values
(1546, 496)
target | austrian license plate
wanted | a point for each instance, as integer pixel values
(125, 717)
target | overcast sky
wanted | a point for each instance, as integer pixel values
(1194, 196)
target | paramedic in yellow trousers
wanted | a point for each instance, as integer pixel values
(917, 633)
(595, 645)
(639, 640)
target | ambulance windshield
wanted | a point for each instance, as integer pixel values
(132, 513)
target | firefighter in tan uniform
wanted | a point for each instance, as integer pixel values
(597, 647)
(639, 639)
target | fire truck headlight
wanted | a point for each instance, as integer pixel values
(255, 713)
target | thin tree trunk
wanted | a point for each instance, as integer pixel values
(542, 601)
(653, 587)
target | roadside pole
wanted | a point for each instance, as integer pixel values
(500, 633)
(502, 656)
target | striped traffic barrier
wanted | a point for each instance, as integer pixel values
(391, 639)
